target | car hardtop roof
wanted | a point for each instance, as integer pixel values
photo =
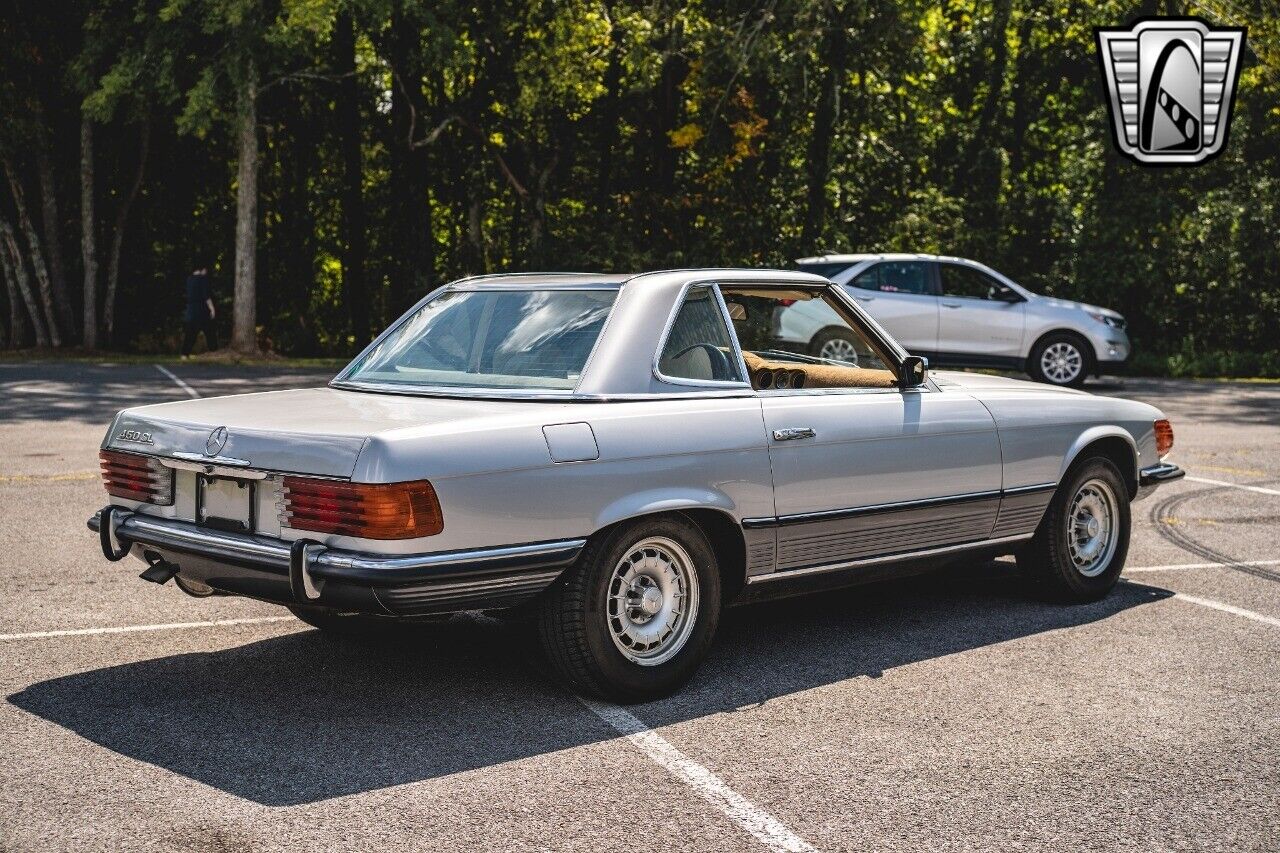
(588, 281)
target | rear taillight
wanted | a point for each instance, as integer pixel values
(138, 478)
(367, 511)
(1164, 437)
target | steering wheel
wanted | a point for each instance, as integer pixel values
(720, 369)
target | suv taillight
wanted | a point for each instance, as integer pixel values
(136, 477)
(367, 511)
(1164, 437)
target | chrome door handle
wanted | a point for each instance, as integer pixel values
(792, 433)
(950, 304)
(865, 298)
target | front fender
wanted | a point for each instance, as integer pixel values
(1095, 433)
(662, 500)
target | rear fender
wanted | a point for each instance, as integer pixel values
(662, 500)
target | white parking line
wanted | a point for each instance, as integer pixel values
(1259, 489)
(1227, 608)
(191, 392)
(129, 629)
(767, 829)
(1173, 567)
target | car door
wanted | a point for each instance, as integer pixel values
(900, 296)
(861, 474)
(978, 316)
(861, 468)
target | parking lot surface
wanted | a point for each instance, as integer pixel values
(951, 712)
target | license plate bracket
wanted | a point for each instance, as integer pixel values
(224, 503)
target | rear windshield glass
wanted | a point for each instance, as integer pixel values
(491, 339)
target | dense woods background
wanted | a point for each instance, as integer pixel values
(334, 160)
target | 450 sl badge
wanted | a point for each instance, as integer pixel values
(135, 436)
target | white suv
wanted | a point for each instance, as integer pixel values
(957, 312)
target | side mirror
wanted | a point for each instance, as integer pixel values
(1008, 294)
(915, 372)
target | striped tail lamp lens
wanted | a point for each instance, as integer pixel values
(1164, 437)
(136, 477)
(367, 511)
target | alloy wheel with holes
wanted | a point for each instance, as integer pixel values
(635, 615)
(1080, 547)
(834, 345)
(1060, 359)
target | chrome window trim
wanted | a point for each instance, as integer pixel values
(666, 333)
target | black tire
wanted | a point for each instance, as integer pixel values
(575, 623)
(1035, 361)
(340, 624)
(1048, 558)
(829, 335)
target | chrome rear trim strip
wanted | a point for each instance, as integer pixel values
(890, 558)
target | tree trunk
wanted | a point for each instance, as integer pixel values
(244, 336)
(15, 307)
(36, 255)
(610, 109)
(835, 51)
(412, 232)
(117, 238)
(53, 239)
(354, 241)
(14, 267)
(88, 227)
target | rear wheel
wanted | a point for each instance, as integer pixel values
(1060, 359)
(1080, 547)
(636, 614)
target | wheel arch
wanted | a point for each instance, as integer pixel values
(710, 511)
(1109, 442)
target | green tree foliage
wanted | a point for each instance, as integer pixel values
(401, 144)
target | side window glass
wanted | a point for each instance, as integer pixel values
(868, 279)
(698, 345)
(959, 280)
(904, 277)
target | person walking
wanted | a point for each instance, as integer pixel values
(200, 312)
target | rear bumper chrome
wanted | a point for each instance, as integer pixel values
(307, 572)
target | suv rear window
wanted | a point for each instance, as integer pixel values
(826, 269)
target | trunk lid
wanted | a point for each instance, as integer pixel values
(317, 431)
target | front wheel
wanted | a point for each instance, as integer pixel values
(1060, 359)
(1080, 547)
(636, 614)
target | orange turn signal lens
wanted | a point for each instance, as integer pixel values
(1164, 437)
(364, 510)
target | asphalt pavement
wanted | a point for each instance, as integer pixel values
(950, 712)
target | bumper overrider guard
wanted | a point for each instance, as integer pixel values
(307, 572)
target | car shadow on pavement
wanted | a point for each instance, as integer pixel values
(304, 717)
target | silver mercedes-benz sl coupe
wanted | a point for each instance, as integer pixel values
(959, 312)
(618, 458)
